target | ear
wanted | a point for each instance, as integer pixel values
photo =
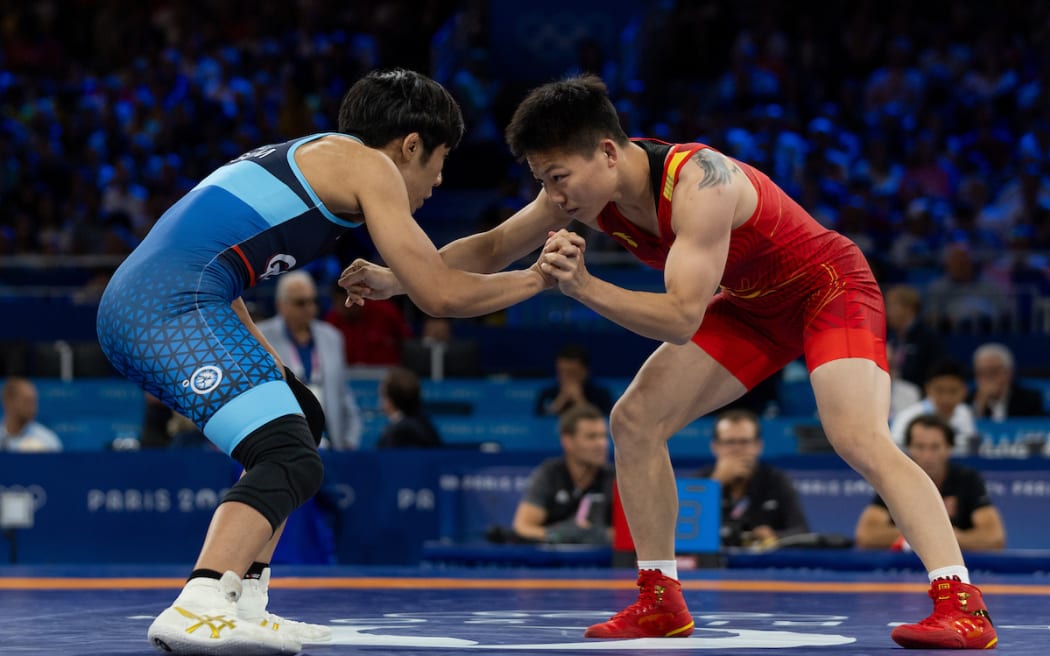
(607, 149)
(411, 146)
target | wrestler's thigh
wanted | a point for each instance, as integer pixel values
(675, 386)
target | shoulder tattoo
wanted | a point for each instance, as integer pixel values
(718, 169)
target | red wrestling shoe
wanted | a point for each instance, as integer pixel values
(660, 612)
(959, 621)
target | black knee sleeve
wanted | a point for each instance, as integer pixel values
(282, 468)
(309, 403)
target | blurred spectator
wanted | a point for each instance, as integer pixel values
(163, 428)
(438, 353)
(915, 346)
(897, 87)
(569, 499)
(929, 441)
(759, 502)
(313, 351)
(573, 386)
(475, 89)
(436, 330)
(997, 395)
(919, 242)
(401, 399)
(945, 390)
(155, 420)
(962, 299)
(373, 333)
(19, 429)
(186, 435)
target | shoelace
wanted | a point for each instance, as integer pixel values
(646, 597)
(943, 609)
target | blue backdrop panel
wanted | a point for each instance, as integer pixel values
(377, 507)
(116, 507)
(834, 498)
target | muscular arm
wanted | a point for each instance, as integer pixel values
(875, 529)
(703, 209)
(987, 533)
(495, 249)
(438, 290)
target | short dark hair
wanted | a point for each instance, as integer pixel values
(570, 115)
(403, 388)
(930, 421)
(570, 419)
(733, 415)
(946, 367)
(391, 104)
(574, 352)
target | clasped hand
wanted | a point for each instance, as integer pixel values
(562, 260)
(364, 280)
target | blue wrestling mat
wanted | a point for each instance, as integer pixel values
(93, 611)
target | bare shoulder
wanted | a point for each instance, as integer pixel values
(336, 151)
(338, 167)
(710, 169)
(714, 175)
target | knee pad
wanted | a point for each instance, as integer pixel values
(309, 403)
(282, 468)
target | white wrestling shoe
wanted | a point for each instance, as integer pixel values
(203, 620)
(252, 607)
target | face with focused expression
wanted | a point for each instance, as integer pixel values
(581, 186)
(421, 176)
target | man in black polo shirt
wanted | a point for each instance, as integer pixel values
(569, 499)
(759, 502)
(929, 440)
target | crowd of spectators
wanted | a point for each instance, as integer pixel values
(922, 131)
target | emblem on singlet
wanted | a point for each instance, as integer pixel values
(277, 264)
(205, 379)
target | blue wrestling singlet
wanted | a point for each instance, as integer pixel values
(165, 319)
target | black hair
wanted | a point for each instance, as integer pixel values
(946, 367)
(574, 352)
(569, 419)
(733, 415)
(402, 387)
(570, 115)
(930, 421)
(390, 104)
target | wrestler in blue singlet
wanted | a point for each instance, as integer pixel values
(165, 320)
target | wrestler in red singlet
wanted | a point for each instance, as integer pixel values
(790, 286)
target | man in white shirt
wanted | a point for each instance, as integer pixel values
(945, 389)
(19, 430)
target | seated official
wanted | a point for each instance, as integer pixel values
(759, 502)
(401, 399)
(573, 385)
(569, 499)
(997, 394)
(19, 429)
(929, 440)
